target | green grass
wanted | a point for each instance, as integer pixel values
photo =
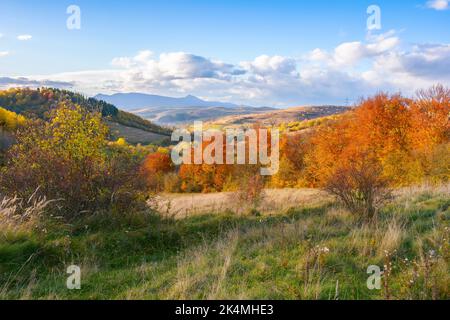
(142, 256)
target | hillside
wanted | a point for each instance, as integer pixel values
(187, 115)
(283, 117)
(135, 135)
(37, 103)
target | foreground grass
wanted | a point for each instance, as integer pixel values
(315, 252)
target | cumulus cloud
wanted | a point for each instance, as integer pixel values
(351, 53)
(438, 4)
(173, 66)
(265, 65)
(4, 53)
(24, 37)
(428, 61)
(350, 70)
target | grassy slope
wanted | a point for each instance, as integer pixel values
(37, 103)
(227, 256)
(136, 135)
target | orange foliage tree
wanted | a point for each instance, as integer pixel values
(221, 177)
(155, 166)
(400, 134)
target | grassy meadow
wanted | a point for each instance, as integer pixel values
(310, 250)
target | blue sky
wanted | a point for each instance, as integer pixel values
(211, 48)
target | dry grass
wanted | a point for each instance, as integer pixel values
(17, 213)
(275, 201)
(392, 237)
(409, 194)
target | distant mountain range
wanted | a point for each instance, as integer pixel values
(175, 111)
(132, 101)
(167, 111)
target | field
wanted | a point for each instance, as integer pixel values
(135, 135)
(276, 118)
(274, 201)
(304, 246)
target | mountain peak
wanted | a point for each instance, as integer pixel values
(133, 101)
(190, 97)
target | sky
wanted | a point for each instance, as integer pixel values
(255, 52)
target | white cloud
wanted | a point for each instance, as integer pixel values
(4, 53)
(265, 65)
(438, 4)
(24, 37)
(1, 35)
(351, 53)
(351, 69)
(317, 55)
(428, 62)
(173, 66)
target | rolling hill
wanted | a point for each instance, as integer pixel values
(37, 103)
(187, 115)
(277, 117)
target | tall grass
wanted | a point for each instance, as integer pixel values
(318, 251)
(16, 213)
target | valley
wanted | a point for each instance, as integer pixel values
(168, 111)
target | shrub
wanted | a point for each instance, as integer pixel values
(360, 186)
(251, 193)
(68, 158)
(172, 183)
(439, 168)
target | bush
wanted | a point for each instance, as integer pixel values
(172, 183)
(360, 186)
(251, 193)
(68, 158)
(439, 168)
